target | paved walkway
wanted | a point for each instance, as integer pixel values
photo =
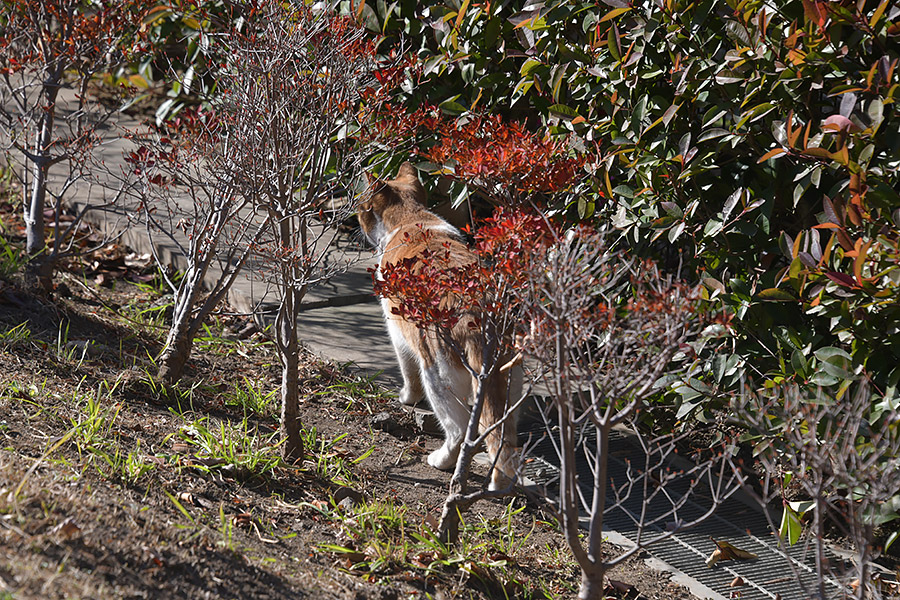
(351, 333)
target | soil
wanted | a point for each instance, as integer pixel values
(112, 487)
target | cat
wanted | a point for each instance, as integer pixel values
(394, 219)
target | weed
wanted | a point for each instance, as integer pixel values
(71, 351)
(181, 398)
(508, 541)
(240, 447)
(17, 493)
(381, 541)
(250, 398)
(12, 259)
(179, 506)
(332, 463)
(93, 431)
(95, 438)
(24, 393)
(226, 529)
(16, 335)
(158, 286)
(378, 528)
(216, 344)
(152, 317)
(64, 351)
(135, 467)
(359, 392)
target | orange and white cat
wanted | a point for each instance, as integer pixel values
(395, 220)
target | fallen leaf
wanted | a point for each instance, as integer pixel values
(68, 529)
(320, 504)
(737, 582)
(417, 447)
(432, 522)
(242, 519)
(180, 447)
(187, 498)
(725, 551)
(424, 559)
(349, 559)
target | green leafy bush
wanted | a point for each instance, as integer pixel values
(755, 146)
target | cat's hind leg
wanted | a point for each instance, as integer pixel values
(502, 391)
(448, 388)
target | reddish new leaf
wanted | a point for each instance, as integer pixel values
(841, 279)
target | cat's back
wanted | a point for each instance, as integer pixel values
(422, 234)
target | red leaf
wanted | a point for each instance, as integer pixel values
(841, 279)
(816, 11)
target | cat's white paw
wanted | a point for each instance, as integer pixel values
(443, 458)
(409, 397)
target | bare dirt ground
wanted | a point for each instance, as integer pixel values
(111, 487)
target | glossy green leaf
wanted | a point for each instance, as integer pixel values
(790, 528)
(776, 295)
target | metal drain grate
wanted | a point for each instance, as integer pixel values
(767, 577)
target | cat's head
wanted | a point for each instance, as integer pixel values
(389, 202)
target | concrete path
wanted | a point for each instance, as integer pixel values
(351, 333)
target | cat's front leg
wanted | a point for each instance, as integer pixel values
(412, 392)
(444, 458)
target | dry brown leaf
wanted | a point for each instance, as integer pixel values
(320, 504)
(242, 519)
(726, 551)
(349, 559)
(424, 559)
(68, 528)
(737, 582)
(432, 522)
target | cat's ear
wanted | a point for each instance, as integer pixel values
(407, 171)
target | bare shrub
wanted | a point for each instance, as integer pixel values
(185, 191)
(264, 176)
(835, 457)
(49, 47)
(292, 88)
(603, 329)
